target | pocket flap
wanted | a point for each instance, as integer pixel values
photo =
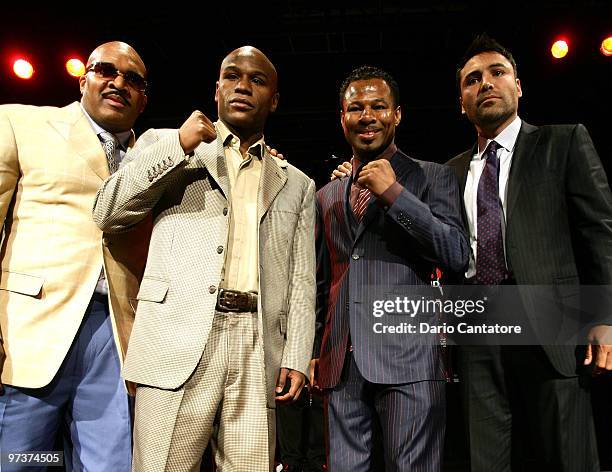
(21, 283)
(153, 290)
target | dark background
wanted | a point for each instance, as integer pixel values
(314, 46)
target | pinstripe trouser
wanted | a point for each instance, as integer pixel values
(411, 418)
(224, 400)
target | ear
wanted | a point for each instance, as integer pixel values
(82, 81)
(274, 104)
(217, 93)
(461, 104)
(144, 103)
(398, 115)
(518, 87)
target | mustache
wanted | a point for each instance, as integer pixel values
(117, 93)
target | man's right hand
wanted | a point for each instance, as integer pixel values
(196, 129)
(343, 170)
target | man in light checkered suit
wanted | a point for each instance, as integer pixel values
(225, 316)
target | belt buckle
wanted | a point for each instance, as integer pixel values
(232, 300)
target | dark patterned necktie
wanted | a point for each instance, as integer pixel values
(490, 261)
(109, 143)
(363, 198)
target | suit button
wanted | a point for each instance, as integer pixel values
(355, 256)
(225, 211)
(212, 289)
(219, 249)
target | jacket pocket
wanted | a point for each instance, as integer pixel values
(21, 283)
(153, 290)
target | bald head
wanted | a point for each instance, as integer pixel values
(117, 48)
(255, 55)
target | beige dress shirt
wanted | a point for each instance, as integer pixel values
(240, 271)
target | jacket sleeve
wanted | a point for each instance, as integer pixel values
(302, 287)
(435, 221)
(128, 195)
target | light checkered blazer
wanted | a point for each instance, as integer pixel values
(189, 200)
(51, 166)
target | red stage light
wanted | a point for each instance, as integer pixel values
(606, 46)
(75, 67)
(559, 49)
(23, 69)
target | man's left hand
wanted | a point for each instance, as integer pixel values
(294, 379)
(599, 349)
(377, 176)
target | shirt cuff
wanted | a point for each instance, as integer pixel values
(388, 197)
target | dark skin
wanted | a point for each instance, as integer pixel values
(246, 94)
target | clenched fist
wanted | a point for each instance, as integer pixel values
(377, 176)
(196, 129)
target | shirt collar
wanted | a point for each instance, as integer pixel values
(506, 139)
(123, 138)
(229, 140)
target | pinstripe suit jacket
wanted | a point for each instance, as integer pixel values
(189, 199)
(399, 247)
(559, 216)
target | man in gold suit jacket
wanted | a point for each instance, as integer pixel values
(65, 287)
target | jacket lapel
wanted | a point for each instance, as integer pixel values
(77, 131)
(212, 158)
(273, 179)
(525, 147)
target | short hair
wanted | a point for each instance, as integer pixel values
(370, 72)
(483, 43)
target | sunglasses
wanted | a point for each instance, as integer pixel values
(108, 71)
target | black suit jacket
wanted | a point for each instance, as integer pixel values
(559, 214)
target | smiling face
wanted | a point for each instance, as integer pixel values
(489, 92)
(369, 117)
(246, 91)
(111, 102)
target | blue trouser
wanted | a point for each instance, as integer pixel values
(406, 421)
(86, 400)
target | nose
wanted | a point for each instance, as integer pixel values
(118, 82)
(487, 83)
(244, 86)
(367, 115)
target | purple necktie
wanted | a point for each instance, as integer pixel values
(490, 261)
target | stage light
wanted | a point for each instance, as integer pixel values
(75, 67)
(23, 69)
(559, 49)
(606, 46)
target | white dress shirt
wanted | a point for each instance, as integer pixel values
(506, 141)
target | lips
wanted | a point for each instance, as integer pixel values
(487, 98)
(116, 98)
(241, 103)
(369, 133)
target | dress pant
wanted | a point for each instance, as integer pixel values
(300, 427)
(86, 399)
(224, 401)
(410, 418)
(522, 415)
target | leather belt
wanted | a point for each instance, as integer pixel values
(233, 300)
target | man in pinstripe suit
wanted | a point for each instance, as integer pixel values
(387, 226)
(225, 317)
(556, 216)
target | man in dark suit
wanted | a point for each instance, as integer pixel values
(386, 227)
(539, 211)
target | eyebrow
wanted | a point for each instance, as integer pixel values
(235, 68)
